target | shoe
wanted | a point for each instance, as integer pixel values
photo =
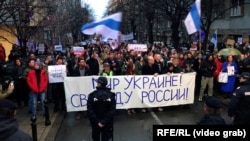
(143, 110)
(133, 111)
(200, 99)
(78, 116)
(160, 109)
(129, 112)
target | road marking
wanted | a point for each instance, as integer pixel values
(158, 121)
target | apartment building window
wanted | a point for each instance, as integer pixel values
(237, 8)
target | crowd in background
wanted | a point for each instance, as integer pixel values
(30, 75)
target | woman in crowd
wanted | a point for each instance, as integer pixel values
(231, 68)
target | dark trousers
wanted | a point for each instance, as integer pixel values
(59, 96)
(102, 134)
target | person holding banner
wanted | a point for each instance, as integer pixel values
(58, 91)
(81, 70)
(101, 107)
(93, 64)
(150, 68)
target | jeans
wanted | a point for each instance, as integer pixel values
(33, 100)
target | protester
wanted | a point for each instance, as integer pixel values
(19, 83)
(58, 91)
(9, 125)
(81, 70)
(228, 88)
(212, 110)
(207, 70)
(29, 67)
(37, 81)
(101, 107)
(240, 103)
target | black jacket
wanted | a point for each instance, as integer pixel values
(101, 106)
(240, 104)
(93, 66)
(212, 119)
(76, 71)
(150, 70)
(9, 130)
(207, 68)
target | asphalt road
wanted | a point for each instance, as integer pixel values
(137, 127)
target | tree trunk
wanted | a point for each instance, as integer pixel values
(133, 26)
(175, 34)
(150, 31)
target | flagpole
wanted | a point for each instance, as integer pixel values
(200, 40)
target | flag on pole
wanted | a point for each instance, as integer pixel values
(214, 39)
(192, 21)
(108, 27)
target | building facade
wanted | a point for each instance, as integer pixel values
(236, 24)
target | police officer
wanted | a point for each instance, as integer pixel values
(239, 107)
(212, 109)
(101, 107)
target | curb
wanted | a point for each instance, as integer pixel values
(51, 132)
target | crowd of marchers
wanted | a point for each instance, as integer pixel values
(31, 85)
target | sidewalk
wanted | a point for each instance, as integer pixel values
(44, 133)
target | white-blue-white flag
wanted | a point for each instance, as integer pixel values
(108, 27)
(192, 21)
(214, 39)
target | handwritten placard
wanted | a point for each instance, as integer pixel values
(138, 47)
(57, 73)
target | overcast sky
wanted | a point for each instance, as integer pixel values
(99, 7)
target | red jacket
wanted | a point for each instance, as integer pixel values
(218, 64)
(32, 81)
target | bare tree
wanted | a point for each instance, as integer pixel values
(69, 18)
(23, 19)
(175, 12)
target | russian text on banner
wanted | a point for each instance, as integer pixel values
(134, 91)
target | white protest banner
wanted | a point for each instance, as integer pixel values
(134, 91)
(138, 47)
(127, 37)
(57, 73)
(41, 48)
(58, 47)
(78, 50)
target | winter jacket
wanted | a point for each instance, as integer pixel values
(34, 85)
(9, 130)
(101, 106)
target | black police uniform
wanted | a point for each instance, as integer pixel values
(240, 103)
(101, 107)
(212, 118)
